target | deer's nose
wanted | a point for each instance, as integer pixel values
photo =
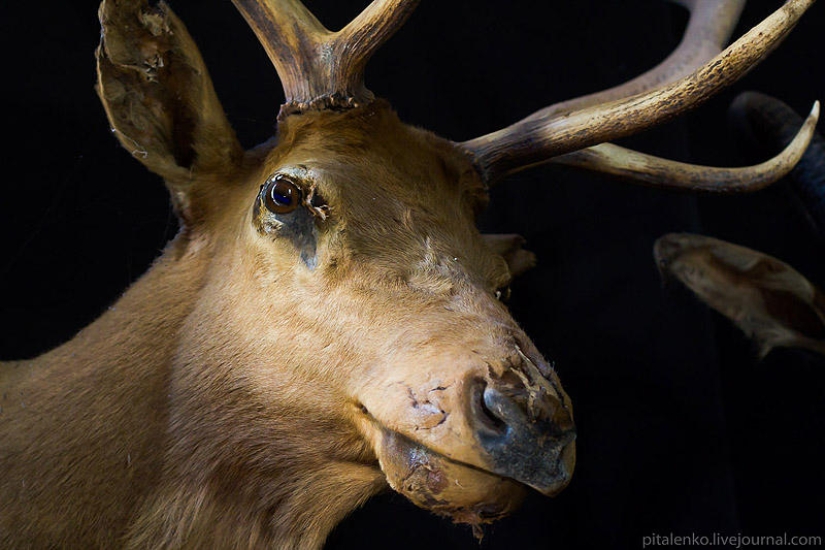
(528, 434)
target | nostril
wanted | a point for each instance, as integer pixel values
(496, 415)
(490, 414)
(485, 414)
(524, 428)
(503, 408)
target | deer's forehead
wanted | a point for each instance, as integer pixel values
(394, 194)
(363, 159)
(372, 201)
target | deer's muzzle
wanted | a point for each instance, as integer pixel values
(466, 441)
(528, 434)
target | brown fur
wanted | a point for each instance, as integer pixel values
(236, 396)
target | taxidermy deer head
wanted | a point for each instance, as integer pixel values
(327, 322)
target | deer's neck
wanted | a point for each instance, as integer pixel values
(135, 433)
(83, 427)
(294, 510)
(252, 463)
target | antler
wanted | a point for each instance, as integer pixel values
(668, 90)
(763, 123)
(658, 172)
(710, 27)
(318, 68)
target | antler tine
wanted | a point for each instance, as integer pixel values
(658, 172)
(544, 135)
(711, 25)
(362, 37)
(291, 35)
(320, 69)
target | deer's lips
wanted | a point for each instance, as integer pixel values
(464, 493)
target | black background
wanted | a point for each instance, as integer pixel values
(681, 430)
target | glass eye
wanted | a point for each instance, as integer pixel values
(281, 196)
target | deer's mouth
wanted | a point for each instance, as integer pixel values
(469, 447)
(462, 492)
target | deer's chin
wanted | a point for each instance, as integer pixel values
(463, 493)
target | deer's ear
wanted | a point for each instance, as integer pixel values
(160, 100)
(766, 298)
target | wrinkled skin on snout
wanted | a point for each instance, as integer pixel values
(377, 297)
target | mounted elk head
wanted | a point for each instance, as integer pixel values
(766, 298)
(327, 322)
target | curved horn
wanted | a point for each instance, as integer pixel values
(550, 132)
(658, 172)
(708, 31)
(318, 68)
(769, 123)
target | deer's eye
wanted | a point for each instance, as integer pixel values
(503, 294)
(281, 196)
